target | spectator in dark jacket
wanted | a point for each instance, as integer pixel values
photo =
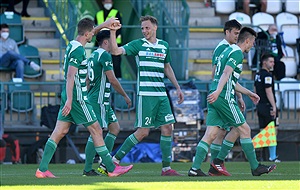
(272, 40)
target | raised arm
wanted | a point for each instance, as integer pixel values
(115, 50)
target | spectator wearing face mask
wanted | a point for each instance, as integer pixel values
(274, 42)
(10, 56)
(107, 12)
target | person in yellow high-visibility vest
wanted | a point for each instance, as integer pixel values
(107, 12)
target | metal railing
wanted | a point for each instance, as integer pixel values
(45, 93)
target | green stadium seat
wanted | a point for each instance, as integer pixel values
(31, 53)
(21, 97)
(16, 29)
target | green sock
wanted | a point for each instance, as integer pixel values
(225, 149)
(249, 151)
(106, 158)
(130, 142)
(49, 150)
(214, 151)
(166, 150)
(202, 149)
(90, 153)
(109, 141)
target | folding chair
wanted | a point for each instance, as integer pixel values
(288, 24)
(263, 20)
(225, 6)
(16, 29)
(242, 18)
(31, 53)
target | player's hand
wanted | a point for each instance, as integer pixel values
(212, 97)
(273, 112)
(241, 104)
(128, 101)
(113, 23)
(67, 108)
(180, 96)
(254, 97)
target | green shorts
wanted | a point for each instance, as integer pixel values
(105, 114)
(225, 114)
(153, 111)
(81, 113)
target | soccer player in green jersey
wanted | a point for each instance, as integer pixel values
(223, 110)
(75, 107)
(231, 30)
(101, 77)
(153, 107)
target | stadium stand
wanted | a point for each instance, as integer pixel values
(225, 6)
(292, 6)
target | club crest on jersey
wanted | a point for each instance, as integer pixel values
(163, 50)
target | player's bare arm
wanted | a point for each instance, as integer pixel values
(171, 76)
(115, 50)
(117, 86)
(70, 85)
(253, 96)
(271, 99)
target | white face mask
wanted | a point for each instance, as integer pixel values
(107, 6)
(4, 35)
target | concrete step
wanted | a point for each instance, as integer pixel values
(200, 54)
(33, 11)
(204, 34)
(44, 43)
(202, 12)
(210, 43)
(36, 22)
(195, 4)
(32, 3)
(37, 33)
(50, 53)
(205, 21)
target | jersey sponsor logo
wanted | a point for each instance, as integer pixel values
(74, 61)
(152, 54)
(232, 61)
(108, 63)
(169, 117)
(268, 80)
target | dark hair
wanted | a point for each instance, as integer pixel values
(102, 35)
(265, 57)
(152, 19)
(3, 26)
(85, 25)
(246, 33)
(231, 24)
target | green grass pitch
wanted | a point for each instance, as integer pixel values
(147, 176)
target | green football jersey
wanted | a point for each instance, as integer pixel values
(218, 50)
(99, 62)
(75, 56)
(150, 59)
(233, 57)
